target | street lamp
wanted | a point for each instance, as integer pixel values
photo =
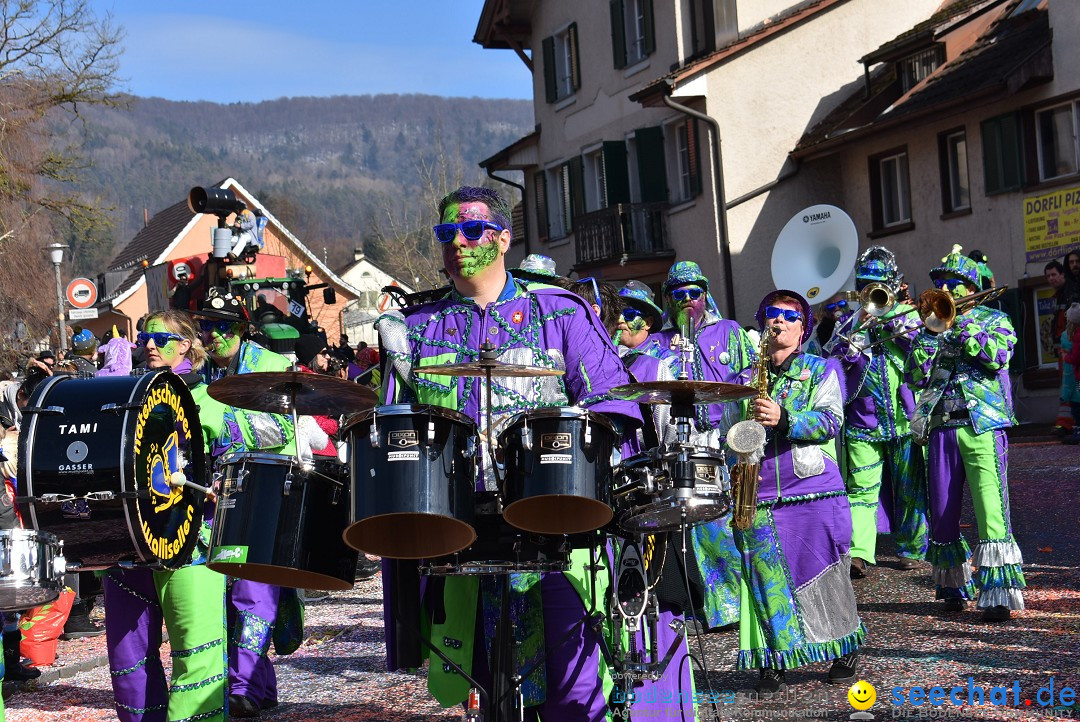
(56, 253)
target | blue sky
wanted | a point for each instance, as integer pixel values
(247, 51)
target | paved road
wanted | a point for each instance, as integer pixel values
(338, 672)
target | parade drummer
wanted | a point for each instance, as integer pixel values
(797, 603)
(721, 351)
(253, 606)
(538, 326)
(884, 466)
(963, 409)
(190, 600)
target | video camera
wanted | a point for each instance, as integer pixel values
(244, 238)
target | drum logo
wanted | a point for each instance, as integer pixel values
(403, 439)
(556, 442)
(705, 472)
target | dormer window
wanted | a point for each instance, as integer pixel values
(915, 68)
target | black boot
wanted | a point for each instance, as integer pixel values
(14, 670)
(241, 706)
(79, 625)
(367, 568)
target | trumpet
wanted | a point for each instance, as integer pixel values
(938, 311)
(876, 299)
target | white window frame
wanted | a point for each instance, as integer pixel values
(634, 31)
(595, 179)
(959, 179)
(558, 200)
(1073, 109)
(564, 64)
(919, 66)
(901, 181)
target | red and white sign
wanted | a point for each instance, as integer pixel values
(82, 293)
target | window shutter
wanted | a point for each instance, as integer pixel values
(577, 187)
(694, 156)
(1002, 154)
(618, 33)
(575, 62)
(543, 221)
(650, 33)
(652, 170)
(549, 69)
(616, 174)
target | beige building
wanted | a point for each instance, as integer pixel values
(360, 314)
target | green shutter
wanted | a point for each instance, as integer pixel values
(1002, 154)
(616, 173)
(543, 221)
(618, 34)
(575, 61)
(694, 152)
(650, 32)
(577, 187)
(550, 90)
(652, 171)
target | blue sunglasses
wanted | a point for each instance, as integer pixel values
(790, 316)
(834, 306)
(949, 283)
(629, 314)
(681, 294)
(219, 326)
(160, 338)
(472, 230)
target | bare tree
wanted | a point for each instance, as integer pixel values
(55, 56)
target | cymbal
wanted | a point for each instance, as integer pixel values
(274, 391)
(683, 392)
(482, 367)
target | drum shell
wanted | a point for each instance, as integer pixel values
(669, 508)
(31, 569)
(99, 435)
(556, 480)
(413, 494)
(289, 539)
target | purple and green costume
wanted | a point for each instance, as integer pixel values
(798, 606)
(964, 408)
(885, 471)
(539, 326)
(191, 603)
(723, 353)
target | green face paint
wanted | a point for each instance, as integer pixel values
(162, 356)
(223, 345)
(464, 258)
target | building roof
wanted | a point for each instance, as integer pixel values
(502, 158)
(1011, 55)
(168, 227)
(947, 15)
(763, 32)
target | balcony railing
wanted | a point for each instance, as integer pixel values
(626, 229)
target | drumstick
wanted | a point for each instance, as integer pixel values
(178, 479)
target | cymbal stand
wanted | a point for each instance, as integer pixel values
(488, 352)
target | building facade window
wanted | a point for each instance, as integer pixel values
(632, 34)
(919, 66)
(562, 71)
(709, 24)
(890, 191)
(955, 185)
(1056, 140)
(1003, 168)
(686, 156)
(543, 223)
(595, 181)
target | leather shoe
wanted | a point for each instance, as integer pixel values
(1000, 613)
(858, 568)
(694, 627)
(907, 564)
(367, 568)
(771, 681)
(955, 605)
(241, 706)
(79, 625)
(844, 668)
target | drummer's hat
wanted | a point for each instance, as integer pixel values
(222, 305)
(636, 294)
(536, 267)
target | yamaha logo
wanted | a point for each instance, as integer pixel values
(555, 442)
(403, 439)
(816, 217)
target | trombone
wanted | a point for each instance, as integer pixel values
(937, 310)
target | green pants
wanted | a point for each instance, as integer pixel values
(889, 474)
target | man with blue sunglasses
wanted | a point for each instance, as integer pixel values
(963, 409)
(721, 352)
(531, 324)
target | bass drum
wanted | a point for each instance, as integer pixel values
(96, 460)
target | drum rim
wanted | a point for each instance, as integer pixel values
(408, 410)
(560, 412)
(42, 535)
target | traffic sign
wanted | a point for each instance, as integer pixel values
(81, 314)
(82, 293)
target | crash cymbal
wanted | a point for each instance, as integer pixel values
(482, 367)
(274, 391)
(683, 392)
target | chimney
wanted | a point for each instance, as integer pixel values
(357, 254)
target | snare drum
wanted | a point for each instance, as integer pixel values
(31, 569)
(115, 442)
(660, 506)
(413, 481)
(280, 522)
(558, 471)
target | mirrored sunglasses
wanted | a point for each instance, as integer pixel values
(681, 294)
(834, 306)
(790, 316)
(472, 230)
(949, 283)
(220, 326)
(160, 339)
(629, 314)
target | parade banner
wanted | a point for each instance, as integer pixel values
(1052, 225)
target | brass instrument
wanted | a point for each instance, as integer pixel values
(876, 299)
(938, 310)
(747, 440)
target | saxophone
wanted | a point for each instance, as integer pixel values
(747, 440)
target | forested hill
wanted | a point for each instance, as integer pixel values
(325, 166)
